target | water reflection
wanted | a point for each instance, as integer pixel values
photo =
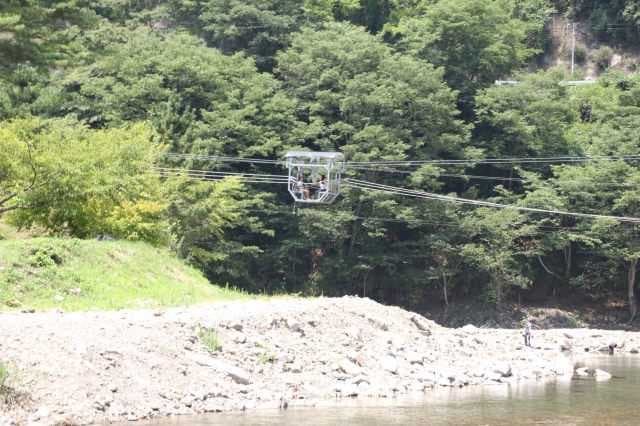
(562, 402)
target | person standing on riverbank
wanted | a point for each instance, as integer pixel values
(526, 332)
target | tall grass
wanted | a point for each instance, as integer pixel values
(7, 396)
(4, 376)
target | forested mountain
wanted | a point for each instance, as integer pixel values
(94, 94)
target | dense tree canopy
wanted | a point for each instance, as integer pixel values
(94, 93)
(476, 42)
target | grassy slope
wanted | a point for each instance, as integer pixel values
(46, 273)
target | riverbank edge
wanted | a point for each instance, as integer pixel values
(275, 354)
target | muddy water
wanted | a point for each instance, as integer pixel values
(563, 402)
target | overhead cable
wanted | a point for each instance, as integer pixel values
(222, 159)
(247, 180)
(480, 203)
(496, 178)
(507, 160)
(399, 163)
(176, 170)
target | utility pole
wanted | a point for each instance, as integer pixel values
(573, 47)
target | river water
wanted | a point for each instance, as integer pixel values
(564, 402)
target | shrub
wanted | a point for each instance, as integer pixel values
(580, 55)
(602, 57)
(43, 254)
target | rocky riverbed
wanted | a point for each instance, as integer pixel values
(81, 368)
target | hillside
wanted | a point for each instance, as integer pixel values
(593, 56)
(72, 274)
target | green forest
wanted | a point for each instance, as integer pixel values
(97, 95)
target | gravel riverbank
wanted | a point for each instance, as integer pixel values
(83, 368)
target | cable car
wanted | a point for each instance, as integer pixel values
(314, 177)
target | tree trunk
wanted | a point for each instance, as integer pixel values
(364, 283)
(567, 263)
(444, 289)
(631, 289)
(356, 227)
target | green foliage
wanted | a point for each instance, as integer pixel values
(374, 79)
(580, 55)
(68, 179)
(257, 27)
(71, 274)
(209, 338)
(602, 57)
(215, 227)
(357, 95)
(528, 119)
(38, 32)
(4, 378)
(476, 42)
(501, 243)
(196, 97)
(610, 20)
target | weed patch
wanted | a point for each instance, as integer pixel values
(9, 396)
(210, 339)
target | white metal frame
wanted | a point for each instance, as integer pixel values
(331, 164)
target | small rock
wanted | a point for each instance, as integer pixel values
(41, 413)
(211, 406)
(349, 391)
(294, 368)
(421, 323)
(13, 303)
(493, 377)
(379, 324)
(415, 358)
(390, 364)
(446, 378)
(348, 367)
(360, 380)
(6, 420)
(58, 298)
(187, 401)
(601, 375)
(634, 350)
(296, 327)
(504, 370)
(102, 402)
(566, 346)
(582, 372)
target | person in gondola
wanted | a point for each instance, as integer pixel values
(313, 190)
(301, 187)
(323, 185)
